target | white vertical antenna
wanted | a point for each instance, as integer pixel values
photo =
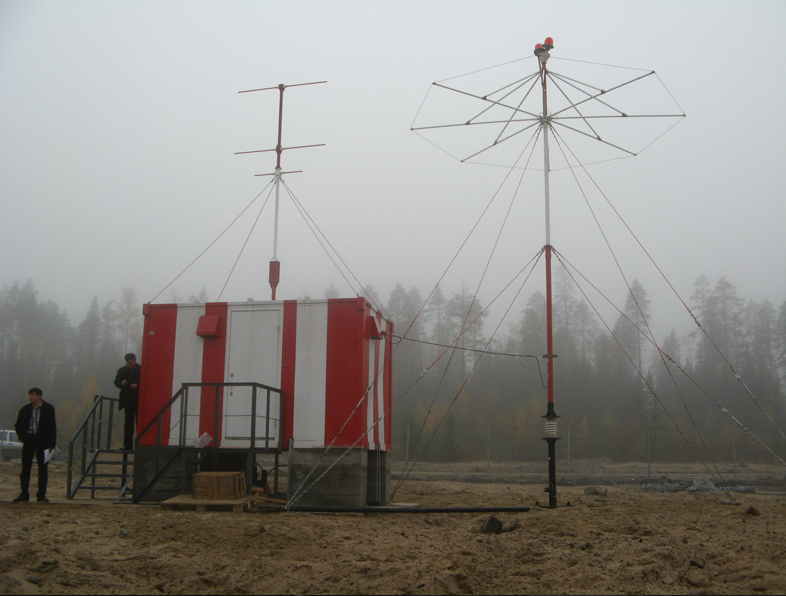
(275, 265)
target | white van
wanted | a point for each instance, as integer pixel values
(10, 447)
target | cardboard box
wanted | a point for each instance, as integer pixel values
(219, 485)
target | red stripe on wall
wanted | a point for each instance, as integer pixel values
(288, 359)
(365, 343)
(347, 367)
(213, 366)
(388, 399)
(158, 347)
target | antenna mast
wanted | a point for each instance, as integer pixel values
(275, 266)
(542, 52)
(504, 109)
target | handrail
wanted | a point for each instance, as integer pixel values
(96, 401)
(161, 413)
(96, 433)
(157, 423)
(217, 416)
(90, 430)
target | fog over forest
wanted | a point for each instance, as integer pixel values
(120, 185)
(617, 395)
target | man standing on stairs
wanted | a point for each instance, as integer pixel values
(127, 380)
(37, 429)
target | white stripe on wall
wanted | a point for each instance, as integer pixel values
(187, 368)
(370, 394)
(310, 374)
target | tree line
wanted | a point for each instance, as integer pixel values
(616, 395)
(40, 347)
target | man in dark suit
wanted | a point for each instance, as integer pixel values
(127, 380)
(37, 429)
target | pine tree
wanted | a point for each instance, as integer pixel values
(761, 367)
(88, 347)
(437, 312)
(780, 340)
(465, 327)
(448, 449)
(728, 319)
(532, 329)
(129, 319)
(373, 297)
(701, 308)
(332, 292)
(631, 327)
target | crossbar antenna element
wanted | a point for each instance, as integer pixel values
(274, 272)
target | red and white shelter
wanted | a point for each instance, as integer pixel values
(328, 357)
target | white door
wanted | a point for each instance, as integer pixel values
(254, 355)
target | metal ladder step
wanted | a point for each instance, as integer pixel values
(100, 462)
(102, 475)
(99, 487)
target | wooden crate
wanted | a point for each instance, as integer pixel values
(219, 485)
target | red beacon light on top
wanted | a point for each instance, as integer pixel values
(542, 49)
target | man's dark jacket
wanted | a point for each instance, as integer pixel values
(47, 427)
(128, 396)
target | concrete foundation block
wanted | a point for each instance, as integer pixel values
(355, 481)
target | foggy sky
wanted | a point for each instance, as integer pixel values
(119, 123)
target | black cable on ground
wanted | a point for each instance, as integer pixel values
(333, 509)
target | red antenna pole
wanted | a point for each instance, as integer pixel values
(274, 272)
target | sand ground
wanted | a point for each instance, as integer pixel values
(629, 541)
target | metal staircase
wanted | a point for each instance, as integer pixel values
(95, 463)
(165, 456)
